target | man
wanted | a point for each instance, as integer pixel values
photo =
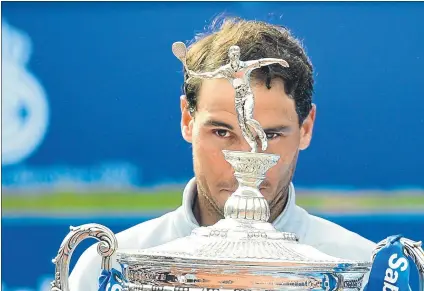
(283, 107)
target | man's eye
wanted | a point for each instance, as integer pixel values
(222, 133)
(272, 135)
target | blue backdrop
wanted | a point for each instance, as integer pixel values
(112, 87)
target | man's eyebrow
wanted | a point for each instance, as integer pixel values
(217, 123)
(281, 128)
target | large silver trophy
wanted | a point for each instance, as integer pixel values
(243, 251)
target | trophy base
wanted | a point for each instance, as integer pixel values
(247, 202)
(235, 278)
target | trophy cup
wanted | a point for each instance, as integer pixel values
(242, 251)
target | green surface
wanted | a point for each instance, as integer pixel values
(363, 202)
(109, 201)
(94, 201)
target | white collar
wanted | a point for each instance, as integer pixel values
(281, 223)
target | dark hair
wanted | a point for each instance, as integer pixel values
(256, 40)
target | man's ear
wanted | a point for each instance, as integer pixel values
(307, 128)
(186, 120)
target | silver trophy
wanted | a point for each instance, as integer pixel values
(243, 251)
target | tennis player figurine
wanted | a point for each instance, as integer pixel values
(238, 74)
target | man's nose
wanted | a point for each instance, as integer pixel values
(246, 147)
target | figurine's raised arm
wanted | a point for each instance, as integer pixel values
(255, 64)
(180, 51)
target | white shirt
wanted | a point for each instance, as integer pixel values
(324, 235)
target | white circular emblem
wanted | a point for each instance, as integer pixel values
(115, 287)
(25, 111)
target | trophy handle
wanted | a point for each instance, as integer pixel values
(414, 250)
(106, 248)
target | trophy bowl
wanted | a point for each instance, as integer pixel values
(233, 255)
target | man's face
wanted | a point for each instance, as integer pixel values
(214, 128)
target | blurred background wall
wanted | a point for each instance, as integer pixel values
(90, 118)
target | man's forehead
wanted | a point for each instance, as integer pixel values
(216, 92)
(219, 96)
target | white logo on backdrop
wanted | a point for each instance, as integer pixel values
(25, 111)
